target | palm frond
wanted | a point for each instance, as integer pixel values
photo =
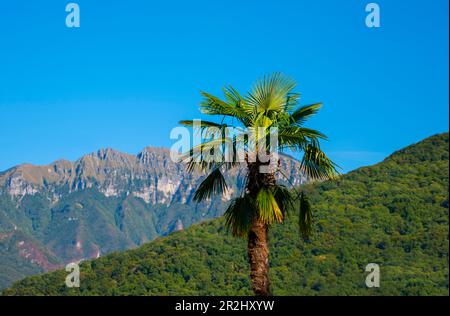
(212, 105)
(234, 98)
(305, 217)
(297, 138)
(206, 129)
(239, 215)
(292, 100)
(195, 156)
(203, 124)
(317, 165)
(299, 116)
(284, 198)
(214, 183)
(270, 93)
(268, 209)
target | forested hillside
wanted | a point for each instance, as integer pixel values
(394, 213)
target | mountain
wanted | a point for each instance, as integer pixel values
(394, 214)
(103, 202)
(21, 255)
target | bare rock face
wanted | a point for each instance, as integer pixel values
(176, 226)
(151, 176)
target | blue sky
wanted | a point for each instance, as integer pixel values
(135, 68)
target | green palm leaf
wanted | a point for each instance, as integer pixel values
(284, 198)
(297, 138)
(267, 206)
(299, 116)
(271, 93)
(214, 183)
(212, 105)
(305, 217)
(239, 215)
(317, 165)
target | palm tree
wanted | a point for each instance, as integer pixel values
(271, 103)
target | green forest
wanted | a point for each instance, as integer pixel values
(394, 214)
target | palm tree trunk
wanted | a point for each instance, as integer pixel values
(258, 256)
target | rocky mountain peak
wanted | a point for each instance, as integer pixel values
(151, 154)
(150, 175)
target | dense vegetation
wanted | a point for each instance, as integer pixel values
(394, 213)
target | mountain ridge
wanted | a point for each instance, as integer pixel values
(24, 178)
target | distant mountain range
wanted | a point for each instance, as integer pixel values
(105, 201)
(394, 214)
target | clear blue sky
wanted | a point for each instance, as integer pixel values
(135, 68)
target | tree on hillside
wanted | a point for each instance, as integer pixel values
(265, 121)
